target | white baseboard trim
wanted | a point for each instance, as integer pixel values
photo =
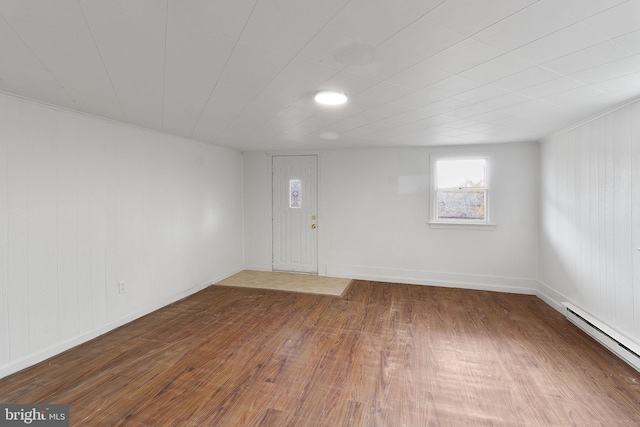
(258, 267)
(551, 297)
(58, 348)
(436, 278)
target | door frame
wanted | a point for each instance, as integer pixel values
(322, 268)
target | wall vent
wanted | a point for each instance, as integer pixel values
(624, 347)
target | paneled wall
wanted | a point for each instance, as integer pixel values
(86, 203)
(590, 219)
(374, 213)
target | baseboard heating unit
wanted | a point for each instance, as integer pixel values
(628, 350)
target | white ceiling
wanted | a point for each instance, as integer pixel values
(242, 73)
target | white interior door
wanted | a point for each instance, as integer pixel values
(295, 213)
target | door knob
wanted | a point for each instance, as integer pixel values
(313, 226)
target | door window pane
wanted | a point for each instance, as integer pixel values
(295, 200)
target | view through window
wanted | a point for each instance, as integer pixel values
(461, 191)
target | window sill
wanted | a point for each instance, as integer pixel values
(461, 226)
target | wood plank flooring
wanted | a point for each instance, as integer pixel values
(380, 355)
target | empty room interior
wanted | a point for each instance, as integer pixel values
(467, 171)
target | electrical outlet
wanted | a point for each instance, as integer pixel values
(122, 287)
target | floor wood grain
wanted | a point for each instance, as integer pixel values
(380, 355)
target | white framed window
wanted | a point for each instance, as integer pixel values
(461, 190)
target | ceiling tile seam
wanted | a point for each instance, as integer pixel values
(215, 85)
(542, 65)
(436, 101)
(13, 89)
(425, 15)
(283, 132)
(244, 109)
(493, 126)
(409, 10)
(551, 33)
(608, 39)
(475, 115)
(340, 70)
(285, 66)
(560, 75)
(605, 10)
(619, 74)
(106, 70)
(581, 21)
(609, 8)
(26, 45)
(316, 130)
(390, 101)
(517, 92)
(533, 64)
(364, 125)
(533, 98)
(408, 132)
(285, 108)
(482, 29)
(565, 13)
(478, 41)
(613, 40)
(591, 118)
(429, 57)
(305, 119)
(590, 85)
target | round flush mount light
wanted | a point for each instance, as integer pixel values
(330, 97)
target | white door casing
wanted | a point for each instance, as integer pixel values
(295, 213)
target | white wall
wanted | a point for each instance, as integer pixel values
(373, 220)
(85, 203)
(590, 219)
(257, 210)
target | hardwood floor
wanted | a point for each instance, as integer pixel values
(381, 355)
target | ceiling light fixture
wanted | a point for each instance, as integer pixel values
(330, 97)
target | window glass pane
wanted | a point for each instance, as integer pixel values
(463, 205)
(468, 173)
(294, 193)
